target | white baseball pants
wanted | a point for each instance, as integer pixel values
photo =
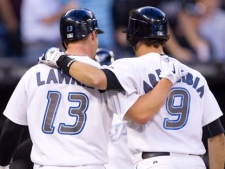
(173, 161)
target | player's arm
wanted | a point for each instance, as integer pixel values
(88, 75)
(149, 104)
(216, 144)
(84, 73)
(143, 109)
(94, 77)
(9, 140)
(216, 152)
(141, 112)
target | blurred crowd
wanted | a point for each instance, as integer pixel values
(29, 27)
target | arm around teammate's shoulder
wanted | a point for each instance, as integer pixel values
(102, 79)
(149, 104)
(88, 75)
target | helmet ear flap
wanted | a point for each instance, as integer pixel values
(133, 26)
(132, 32)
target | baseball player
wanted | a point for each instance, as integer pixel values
(68, 122)
(173, 137)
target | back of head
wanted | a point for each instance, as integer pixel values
(104, 56)
(147, 23)
(76, 24)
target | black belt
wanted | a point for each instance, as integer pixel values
(155, 154)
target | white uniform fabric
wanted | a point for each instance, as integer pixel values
(177, 127)
(68, 122)
(118, 151)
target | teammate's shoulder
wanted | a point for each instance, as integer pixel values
(194, 72)
(125, 59)
(190, 69)
(38, 68)
(122, 61)
(87, 60)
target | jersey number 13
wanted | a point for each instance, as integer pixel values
(78, 113)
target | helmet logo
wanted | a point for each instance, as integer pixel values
(69, 28)
(69, 35)
(160, 33)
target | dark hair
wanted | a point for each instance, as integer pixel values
(155, 42)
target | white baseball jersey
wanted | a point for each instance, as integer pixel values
(177, 127)
(118, 151)
(69, 123)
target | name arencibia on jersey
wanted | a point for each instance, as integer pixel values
(189, 79)
(58, 77)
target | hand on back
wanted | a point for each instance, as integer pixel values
(172, 69)
(52, 56)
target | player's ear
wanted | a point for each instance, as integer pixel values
(94, 35)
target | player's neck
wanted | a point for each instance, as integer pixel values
(78, 50)
(143, 50)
